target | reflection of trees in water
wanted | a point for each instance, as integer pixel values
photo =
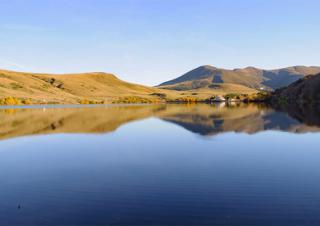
(307, 114)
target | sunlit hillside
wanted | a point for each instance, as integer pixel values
(97, 87)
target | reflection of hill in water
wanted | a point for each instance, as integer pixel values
(208, 120)
(32, 121)
(307, 114)
(200, 119)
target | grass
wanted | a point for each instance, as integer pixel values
(96, 88)
(16, 86)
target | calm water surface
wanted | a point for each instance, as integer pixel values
(160, 165)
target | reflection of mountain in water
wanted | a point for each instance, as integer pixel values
(208, 120)
(279, 121)
(200, 119)
(309, 115)
(199, 128)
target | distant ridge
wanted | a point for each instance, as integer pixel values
(208, 76)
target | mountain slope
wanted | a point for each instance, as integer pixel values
(209, 76)
(305, 90)
(96, 87)
(70, 88)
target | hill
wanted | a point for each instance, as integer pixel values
(305, 90)
(96, 87)
(73, 88)
(211, 77)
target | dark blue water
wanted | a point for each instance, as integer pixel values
(153, 171)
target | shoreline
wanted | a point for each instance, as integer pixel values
(39, 106)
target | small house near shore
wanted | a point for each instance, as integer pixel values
(218, 98)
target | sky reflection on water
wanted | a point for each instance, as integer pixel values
(150, 165)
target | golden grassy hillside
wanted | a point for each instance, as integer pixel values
(71, 88)
(94, 87)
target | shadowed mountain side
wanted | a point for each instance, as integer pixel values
(201, 119)
(304, 91)
(208, 76)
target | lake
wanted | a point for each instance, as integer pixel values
(160, 165)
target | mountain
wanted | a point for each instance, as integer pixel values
(95, 87)
(211, 77)
(306, 90)
(98, 87)
(72, 88)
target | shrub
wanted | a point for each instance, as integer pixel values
(187, 99)
(10, 101)
(230, 96)
(26, 101)
(85, 101)
(134, 100)
(259, 97)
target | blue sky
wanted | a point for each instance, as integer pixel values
(151, 41)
